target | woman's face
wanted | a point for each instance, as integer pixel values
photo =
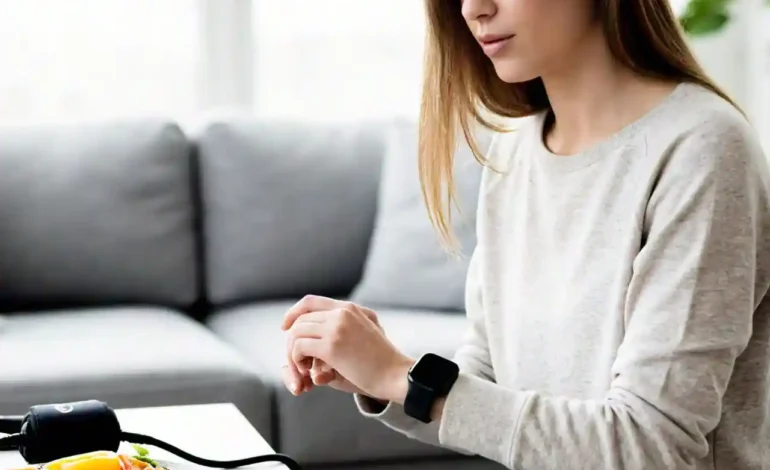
(526, 39)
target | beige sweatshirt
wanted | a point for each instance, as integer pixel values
(617, 301)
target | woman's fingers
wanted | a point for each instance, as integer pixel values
(293, 377)
(317, 316)
(310, 327)
(298, 371)
(321, 373)
(310, 303)
(323, 378)
(306, 349)
(304, 384)
(321, 366)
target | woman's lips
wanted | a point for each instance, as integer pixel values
(492, 46)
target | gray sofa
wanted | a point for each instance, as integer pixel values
(145, 265)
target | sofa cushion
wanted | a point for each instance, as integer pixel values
(96, 214)
(128, 357)
(312, 426)
(289, 207)
(407, 267)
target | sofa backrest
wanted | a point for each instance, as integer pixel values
(140, 212)
(96, 214)
(288, 208)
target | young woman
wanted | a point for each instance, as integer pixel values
(617, 298)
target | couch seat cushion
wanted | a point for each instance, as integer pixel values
(324, 426)
(128, 357)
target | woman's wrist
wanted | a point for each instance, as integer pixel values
(395, 381)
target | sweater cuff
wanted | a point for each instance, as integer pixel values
(368, 407)
(481, 417)
(391, 414)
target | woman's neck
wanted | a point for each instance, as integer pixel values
(593, 96)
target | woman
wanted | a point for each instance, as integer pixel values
(617, 298)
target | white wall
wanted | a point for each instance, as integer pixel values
(738, 59)
(758, 67)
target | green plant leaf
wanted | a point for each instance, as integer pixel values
(706, 24)
(704, 17)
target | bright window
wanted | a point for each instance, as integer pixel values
(337, 59)
(64, 60)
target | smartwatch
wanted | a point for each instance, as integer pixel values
(430, 378)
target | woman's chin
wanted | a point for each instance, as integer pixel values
(511, 72)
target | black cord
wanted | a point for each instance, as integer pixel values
(10, 424)
(12, 442)
(290, 463)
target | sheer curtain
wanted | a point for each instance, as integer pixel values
(337, 59)
(65, 60)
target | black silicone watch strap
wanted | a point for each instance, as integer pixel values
(419, 402)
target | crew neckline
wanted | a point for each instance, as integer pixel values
(597, 151)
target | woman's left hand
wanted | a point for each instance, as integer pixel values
(343, 335)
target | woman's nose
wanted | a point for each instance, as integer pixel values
(474, 10)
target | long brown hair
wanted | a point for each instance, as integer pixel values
(461, 87)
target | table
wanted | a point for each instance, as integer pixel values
(197, 429)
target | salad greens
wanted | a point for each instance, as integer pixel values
(143, 454)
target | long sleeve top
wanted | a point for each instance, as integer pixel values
(617, 300)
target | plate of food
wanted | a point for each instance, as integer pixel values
(107, 460)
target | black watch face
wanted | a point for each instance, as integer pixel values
(434, 372)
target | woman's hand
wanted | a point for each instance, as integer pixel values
(302, 377)
(319, 374)
(322, 374)
(348, 347)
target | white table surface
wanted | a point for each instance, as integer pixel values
(217, 432)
